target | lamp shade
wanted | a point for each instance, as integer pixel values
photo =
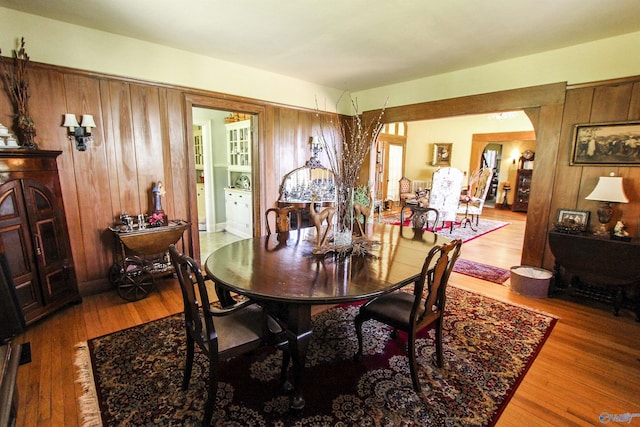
(70, 121)
(609, 189)
(87, 121)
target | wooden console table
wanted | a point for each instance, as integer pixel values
(609, 264)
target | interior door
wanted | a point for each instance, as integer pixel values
(395, 170)
(491, 158)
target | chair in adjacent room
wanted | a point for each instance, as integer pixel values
(444, 195)
(472, 206)
(411, 312)
(406, 192)
(282, 218)
(236, 330)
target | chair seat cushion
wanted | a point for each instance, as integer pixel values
(392, 308)
(239, 328)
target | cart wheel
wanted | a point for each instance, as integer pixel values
(116, 274)
(137, 281)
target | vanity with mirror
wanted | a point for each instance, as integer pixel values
(301, 184)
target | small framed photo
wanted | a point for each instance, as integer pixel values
(442, 154)
(615, 143)
(576, 220)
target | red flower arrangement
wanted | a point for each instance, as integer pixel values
(156, 220)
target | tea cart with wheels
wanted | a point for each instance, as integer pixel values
(140, 255)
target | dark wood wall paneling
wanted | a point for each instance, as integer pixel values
(142, 133)
(601, 102)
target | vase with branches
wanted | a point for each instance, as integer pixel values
(14, 78)
(347, 141)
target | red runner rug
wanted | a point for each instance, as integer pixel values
(481, 271)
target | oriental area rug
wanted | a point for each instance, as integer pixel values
(133, 377)
(481, 271)
(465, 233)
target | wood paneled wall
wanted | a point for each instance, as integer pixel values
(141, 138)
(599, 102)
(143, 131)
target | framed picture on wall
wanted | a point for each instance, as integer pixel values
(442, 154)
(616, 143)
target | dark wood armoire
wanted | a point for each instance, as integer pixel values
(33, 232)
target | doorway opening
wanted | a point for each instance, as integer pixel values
(491, 158)
(390, 161)
(478, 141)
(395, 171)
(222, 148)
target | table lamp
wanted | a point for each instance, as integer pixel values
(608, 190)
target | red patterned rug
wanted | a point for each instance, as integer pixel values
(481, 271)
(133, 377)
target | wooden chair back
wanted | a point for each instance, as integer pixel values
(430, 289)
(282, 218)
(412, 312)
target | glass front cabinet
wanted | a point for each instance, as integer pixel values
(523, 190)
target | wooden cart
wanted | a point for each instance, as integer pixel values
(141, 255)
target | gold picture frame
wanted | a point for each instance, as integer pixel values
(442, 154)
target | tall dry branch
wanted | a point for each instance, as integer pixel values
(14, 78)
(348, 140)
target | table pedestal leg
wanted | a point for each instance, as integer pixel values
(299, 335)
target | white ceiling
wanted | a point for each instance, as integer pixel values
(352, 44)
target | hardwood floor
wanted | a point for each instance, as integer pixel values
(590, 364)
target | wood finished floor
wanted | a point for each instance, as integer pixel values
(590, 364)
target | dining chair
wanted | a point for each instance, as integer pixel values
(473, 204)
(420, 216)
(411, 312)
(282, 218)
(236, 330)
(406, 192)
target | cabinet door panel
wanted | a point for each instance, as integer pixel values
(47, 223)
(27, 293)
(15, 235)
(57, 283)
(48, 244)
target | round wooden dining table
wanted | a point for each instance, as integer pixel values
(282, 273)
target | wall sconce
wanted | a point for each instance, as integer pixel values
(80, 132)
(608, 190)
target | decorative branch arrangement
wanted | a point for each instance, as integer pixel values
(14, 79)
(346, 145)
(348, 142)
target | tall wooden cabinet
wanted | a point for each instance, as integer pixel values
(523, 190)
(238, 195)
(33, 231)
(239, 145)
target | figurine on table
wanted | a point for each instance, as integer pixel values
(158, 217)
(620, 232)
